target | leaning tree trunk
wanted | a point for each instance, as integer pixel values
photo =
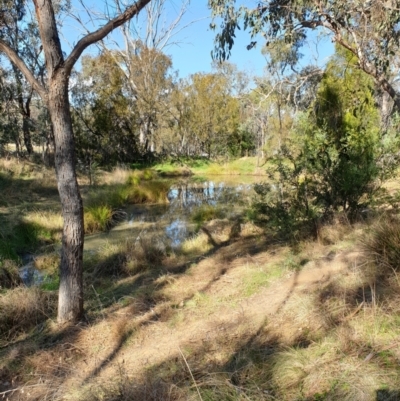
(70, 302)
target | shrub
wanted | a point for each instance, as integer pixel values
(284, 204)
(334, 158)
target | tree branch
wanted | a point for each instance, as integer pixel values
(101, 33)
(19, 63)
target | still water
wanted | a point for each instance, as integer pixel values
(172, 220)
(169, 223)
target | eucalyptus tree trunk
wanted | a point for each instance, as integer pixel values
(55, 95)
(25, 110)
(70, 298)
(70, 301)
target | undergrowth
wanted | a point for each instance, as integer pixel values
(28, 226)
(104, 203)
(23, 308)
(332, 338)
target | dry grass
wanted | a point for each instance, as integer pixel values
(48, 262)
(22, 308)
(119, 175)
(122, 175)
(124, 388)
(255, 319)
(48, 219)
(9, 274)
(127, 258)
(382, 246)
(196, 246)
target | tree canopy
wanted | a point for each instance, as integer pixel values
(368, 29)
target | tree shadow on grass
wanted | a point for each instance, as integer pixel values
(229, 365)
(196, 368)
(41, 361)
(18, 191)
(141, 297)
(387, 395)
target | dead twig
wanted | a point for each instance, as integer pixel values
(194, 381)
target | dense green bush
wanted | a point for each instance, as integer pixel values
(334, 157)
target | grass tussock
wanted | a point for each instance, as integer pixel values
(124, 388)
(196, 245)
(206, 213)
(103, 204)
(119, 175)
(97, 218)
(23, 308)
(148, 192)
(382, 246)
(9, 274)
(127, 258)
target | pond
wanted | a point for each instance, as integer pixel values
(172, 220)
(169, 223)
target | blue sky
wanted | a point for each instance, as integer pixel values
(192, 46)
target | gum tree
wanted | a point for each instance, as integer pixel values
(54, 94)
(370, 30)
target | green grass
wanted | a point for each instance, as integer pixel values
(23, 237)
(199, 300)
(201, 166)
(206, 213)
(28, 223)
(258, 278)
(103, 203)
(97, 218)
(50, 283)
(254, 281)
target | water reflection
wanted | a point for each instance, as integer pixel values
(187, 195)
(172, 221)
(167, 224)
(30, 275)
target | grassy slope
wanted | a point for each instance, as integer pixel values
(247, 319)
(235, 318)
